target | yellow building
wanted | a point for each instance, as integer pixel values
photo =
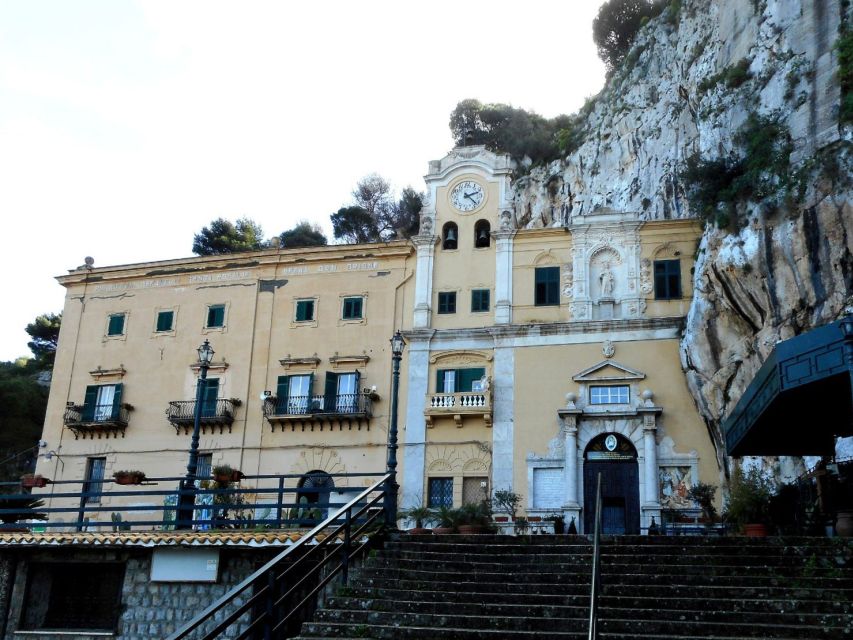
(535, 358)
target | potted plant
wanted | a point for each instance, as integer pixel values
(521, 525)
(225, 474)
(129, 477)
(34, 481)
(446, 518)
(420, 515)
(703, 494)
(20, 508)
(559, 523)
(474, 517)
(505, 501)
(749, 501)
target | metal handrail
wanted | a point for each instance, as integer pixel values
(267, 589)
(596, 566)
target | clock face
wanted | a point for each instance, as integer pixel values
(467, 196)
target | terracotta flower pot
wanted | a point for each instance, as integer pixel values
(419, 531)
(755, 530)
(471, 529)
(442, 531)
(33, 482)
(130, 478)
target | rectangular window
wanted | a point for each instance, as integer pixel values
(547, 286)
(115, 326)
(293, 396)
(204, 465)
(94, 484)
(73, 596)
(616, 394)
(475, 489)
(209, 396)
(215, 316)
(165, 320)
(447, 302)
(667, 279)
(304, 310)
(102, 403)
(479, 300)
(458, 380)
(353, 308)
(440, 492)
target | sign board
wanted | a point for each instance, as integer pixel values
(184, 565)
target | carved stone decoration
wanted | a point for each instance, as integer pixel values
(646, 284)
(506, 221)
(568, 276)
(578, 310)
(606, 280)
(426, 225)
(607, 349)
(606, 274)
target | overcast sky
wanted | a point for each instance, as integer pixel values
(125, 126)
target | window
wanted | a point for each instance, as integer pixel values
(293, 395)
(482, 239)
(450, 236)
(341, 392)
(209, 396)
(73, 596)
(215, 316)
(115, 325)
(204, 466)
(475, 489)
(353, 308)
(94, 484)
(304, 310)
(479, 300)
(102, 403)
(447, 302)
(458, 380)
(667, 279)
(616, 394)
(440, 492)
(165, 321)
(547, 286)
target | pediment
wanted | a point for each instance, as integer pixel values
(608, 370)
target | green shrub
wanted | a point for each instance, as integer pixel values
(732, 76)
(749, 497)
(844, 47)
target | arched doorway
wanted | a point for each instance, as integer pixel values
(615, 457)
(314, 488)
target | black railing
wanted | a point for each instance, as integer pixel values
(342, 404)
(220, 411)
(263, 604)
(259, 501)
(596, 566)
(80, 415)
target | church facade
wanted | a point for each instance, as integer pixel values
(535, 359)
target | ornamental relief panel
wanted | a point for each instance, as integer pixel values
(461, 358)
(458, 459)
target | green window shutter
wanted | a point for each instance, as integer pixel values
(547, 286)
(165, 320)
(439, 381)
(465, 378)
(281, 394)
(216, 316)
(116, 325)
(117, 400)
(209, 396)
(89, 403)
(304, 310)
(330, 392)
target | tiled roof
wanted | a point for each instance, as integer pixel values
(277, 538)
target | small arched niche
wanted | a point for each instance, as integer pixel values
(482, 234)
(450, 236)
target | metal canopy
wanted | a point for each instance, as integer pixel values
(800, 399)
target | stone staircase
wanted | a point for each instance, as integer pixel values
(662, 588)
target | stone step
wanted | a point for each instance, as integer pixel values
(812, 602)
(623, 541)
(697, 611)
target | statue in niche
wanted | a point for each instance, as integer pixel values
(606, 281)
(426, 226)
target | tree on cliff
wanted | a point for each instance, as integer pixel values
(222, 236)
(617, 24)
(304, 234)
(44, 331)
(502, 127)
(375, 214)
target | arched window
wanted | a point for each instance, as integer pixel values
(449, 236)
(315, 487)
(482, 239)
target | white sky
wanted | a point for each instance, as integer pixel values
(125, 126)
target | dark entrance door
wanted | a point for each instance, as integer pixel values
(620, 492)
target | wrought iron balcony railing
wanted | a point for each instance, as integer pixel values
(457, 405)
(214, 414)
(101, 419)
(343, 406)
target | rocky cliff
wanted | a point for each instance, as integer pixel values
(714, 82)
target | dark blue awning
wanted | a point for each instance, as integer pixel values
(800, 399)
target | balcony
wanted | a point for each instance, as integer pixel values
(101, 420)
(309, 412)
(218, 414)
(477, 404)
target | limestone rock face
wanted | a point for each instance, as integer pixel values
(690, 83)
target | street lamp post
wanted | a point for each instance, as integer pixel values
(391, 486)
(188, 485)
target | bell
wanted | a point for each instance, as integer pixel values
(483, 238)
(450, 237)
